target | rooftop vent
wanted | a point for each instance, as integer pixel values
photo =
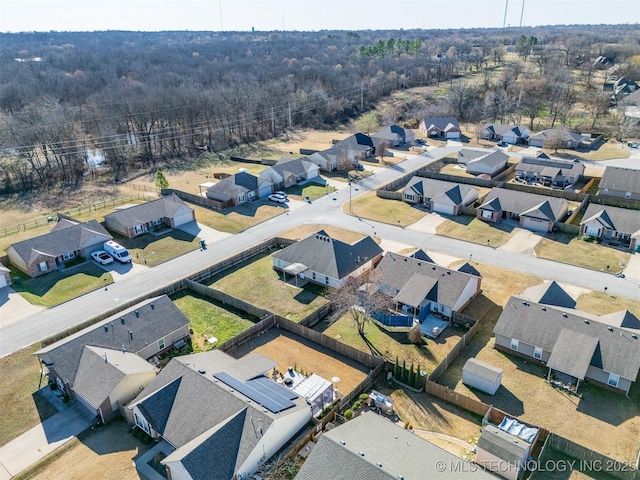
(405, 259)
(152, 306)
(433, 268)
(379, 464)
(122, 320)
(202, 371)
(104, 355)
(565, 315)
(448, 272)
(633, 335)
(130, 335)
(586, 321)
(106, 328)
(610, 329)
(400, 477)
(544, 309)
(137, 313)
(361, 453)
(342, 442)
(419, 263)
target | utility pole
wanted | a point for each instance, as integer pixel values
(273, 123)
(504, 21)
(220, 9)
(362, 96)
(522, 12)
(290, 123)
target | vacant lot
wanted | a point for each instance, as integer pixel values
(570, 249)
(473, 230)
(290, 350)
(211, 319)
(258, 284)
(23, 407)
(59, 286)
(395, 212)
(152, 250)
(239, 218)
(107, 453)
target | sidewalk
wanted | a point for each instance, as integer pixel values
(35, 444)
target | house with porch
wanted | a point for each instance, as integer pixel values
(327, 160)
(570, 139)
(440, 127)
(323, 260)
(482, 162)
(67, 241)
(166, 212)
(512, 134)
(439, 196)
(550, 171)
(215, 416)
(423, 291)
(575, 346)
(104, 366)
(240, 188)
(620, 183)
(393, 136)
(356, 147)
(534, 212)
(614, 225)
(287, 173)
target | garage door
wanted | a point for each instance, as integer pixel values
(593, 231)
(3, 280)
(446, 209)
(182, 218)
(535, 225)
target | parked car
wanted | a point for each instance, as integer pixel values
(358, 166)
(102, 257)
(502, 143)
(117, 251)
(277, 198)
(280, 193)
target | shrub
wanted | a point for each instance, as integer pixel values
(348, 414)
(363, 397)
(404, 372)
(357, 404)
(396, 369)
(411, 376)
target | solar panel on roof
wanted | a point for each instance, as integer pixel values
(274, 387)
(274, 403)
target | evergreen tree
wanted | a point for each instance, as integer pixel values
(161, 180)
(396, 369)
(411, 376)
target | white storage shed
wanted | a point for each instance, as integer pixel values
(482, 376)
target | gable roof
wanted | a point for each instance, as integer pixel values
(503, 445)
(234, 185)
(500, 129)
(550, 167)
(155, 319)
(67, 236)
(622, 179)
(539, 206)
(465, 155)
(392, 133)
(420, 254)
(416, 290)
(396, 271)
(330, 257)
(621, 220)
(562, 133)
(468, 268)
(110, 366)
(491, 159)
(549, 293)
(371, 447)
(163, 207)
(482, 370)
(569, 359)
(444, 124)
(541, 325)
(356, 142)
(438, 189)
(298, 167)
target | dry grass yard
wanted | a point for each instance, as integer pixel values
(236, 219)
(569, 249)
(601, 303)
(290, 350)
(395, 212)
(305, 231)
(471, 229)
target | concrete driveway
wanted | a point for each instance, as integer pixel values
(208, 234)
(427, 224)
(42, 439)
(13, 307)
(522, 241)
(632, 271)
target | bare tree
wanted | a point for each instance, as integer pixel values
(555, 142)
(382, 148)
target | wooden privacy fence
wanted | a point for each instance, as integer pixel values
(366, 384)
(315, 317)
(226, 299)
(254, 331)
(455, 351)
(198, 200)
(451, 396)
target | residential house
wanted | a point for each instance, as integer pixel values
(326, 261)
(602, 63)
(632, 104)
(622, 88)
(440, 127)
(503, 453)
(67, 241)
(5, 276)
(478, 163)
(619, 226)
(220, 417)
(425, 291)
(439, 196)
(620, 182)
(166, 212)
(287, 173)
(327, 160)
(550, 171)
(533, 212)
(393, 136)
(355, 147)
(570, 139)
(240, 188)
(369, 446)
(104, 366)
(512, 134)
(572, 344)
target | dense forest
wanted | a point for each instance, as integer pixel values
(141, 99)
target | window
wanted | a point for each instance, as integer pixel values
(409, 197)
(514, 344)
(142, 423)
(138, 229)
(537, 353)
(43, 266)
(157, 221)
(486, 214)
(613, 379)
(313, 275)
(627, 195)
(68, 256)
(161, 344)
(326, 280)
(240, 198)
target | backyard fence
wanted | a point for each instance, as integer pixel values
(199, 200)
(308, 151)
(226, 299)
(451, 396)
(315, 317)
(455, 351)
(254, 331)
(365, 385)
(144, 188)
(245, 160)
(388, 194)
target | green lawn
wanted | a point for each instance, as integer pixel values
(257, 283)
(152, 250)
(209, 318)
(313, 191)
(57, 287)
(23, 407)
(473, 230)
(562, 247)
(395, 212)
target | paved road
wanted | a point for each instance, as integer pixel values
(325, 210)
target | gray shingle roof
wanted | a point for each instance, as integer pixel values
(541, 326)
(538, 206)
(466, 155)
(502, 444)
(549, 293)
(416, 290)
(430, 188)
(550, 167)
(397, 270)
(327, 256)
(563, 133)
(482, 370)
(491, 159)
(500, 129)
(420, 254)
(110, 373)
(66, 237)
(622, 179)
(356, 142)
(398, 452)
(621, 220)
(569, 359)
(150, 325)
(442, 123)
(298, 167)
(232, 186)
(145, 212)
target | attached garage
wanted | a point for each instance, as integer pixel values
(446, 209)
(482, 376)
(535, 224)
(593, 231)
(183, 217)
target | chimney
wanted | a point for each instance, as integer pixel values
(104, 355)
(130, 335)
